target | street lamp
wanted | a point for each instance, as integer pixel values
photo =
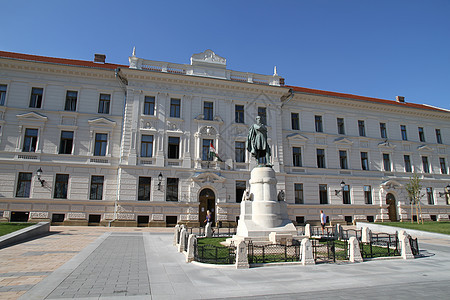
(39, 173)
(342, 188)
(446, 191)
(160, 177)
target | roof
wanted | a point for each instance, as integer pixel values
(61, 61)
(363, 98)
(90, 64)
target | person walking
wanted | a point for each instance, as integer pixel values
(323, 220)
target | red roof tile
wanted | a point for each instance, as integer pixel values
(356, 97)
(63, 61)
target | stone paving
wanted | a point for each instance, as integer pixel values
(135, 263)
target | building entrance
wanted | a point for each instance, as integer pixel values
(207, 200)
(392, 209)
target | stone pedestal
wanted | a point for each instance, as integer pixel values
(265, 214)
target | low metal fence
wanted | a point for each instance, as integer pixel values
(328, 232)
(348, 233)
(273, 253)
(329, 250)
(214, 254)
(414, 246)
(216, 231)
(380, 245)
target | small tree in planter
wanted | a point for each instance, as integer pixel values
(413, 188)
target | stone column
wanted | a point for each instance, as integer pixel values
(366, 233)
(190, 250)
(182, 243)
(308, 230)
(354, 252)
(242, 256)
(307, 252)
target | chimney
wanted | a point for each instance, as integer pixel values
(99, 58)
(400, 99)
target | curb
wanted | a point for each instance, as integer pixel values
(24, 234)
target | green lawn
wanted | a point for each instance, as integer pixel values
(211, 241)
(438, 227)
(6, 228)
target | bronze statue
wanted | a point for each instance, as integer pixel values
(257, 144)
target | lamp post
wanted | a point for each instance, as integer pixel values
(39, 174)
(342, 188)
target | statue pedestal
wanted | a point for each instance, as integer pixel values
(265, 214)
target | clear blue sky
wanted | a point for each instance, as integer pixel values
(378, 49)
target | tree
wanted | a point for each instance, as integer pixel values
(413, 188)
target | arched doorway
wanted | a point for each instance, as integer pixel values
(392, 209)
(207, 200)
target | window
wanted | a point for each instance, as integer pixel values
(421, 134)
(208, 112)
(61, 186)
(295, 121)
(239, 113)
(323, 194)
(343, 159)
(320, 158)
(297, 156)
(262, 112)
(298, 193)
(443, 165)
(2, 94)
(403, 131)
(367, 194)
(71, 101)
(66, 142)
(346, 194)
(175, 108)
(36, 97)
(104, 103)
(146, 145)
(438, 136)
(364, 161)
(174, 148)
(144, 188)
(361, 128)
(239, 150)
(149, 105)
(240, 190)
(206, 153)
(430, 196)
(383, 131)
(30, 140)
(96, 188)
(386, 162)
(172, 189)
(318, 123)
(101, 141)
(23, 185)
(407, 160)
(425, 165)
(340, 126)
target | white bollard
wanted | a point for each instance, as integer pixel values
(176, 235)
(182, 243)
(308, 230)
(307, 252)
(190, 251)
(366, 233)
(406, 247)
(354, 251)
(242, 256)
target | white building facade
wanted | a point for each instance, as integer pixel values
(133, 145)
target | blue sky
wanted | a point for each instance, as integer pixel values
(377, 48)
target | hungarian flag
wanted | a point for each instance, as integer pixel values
(212, 152)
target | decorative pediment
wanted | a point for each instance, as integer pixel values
(391, 184)
(208, 57)
(102, 122)
(208, 177)
(343, 141)
(216, 118)
(386, 145)
(208, 130)
(425, 148)
(32, 117)
(297, 138)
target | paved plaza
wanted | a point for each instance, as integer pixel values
(141, 263)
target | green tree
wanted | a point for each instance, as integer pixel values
(413, 188)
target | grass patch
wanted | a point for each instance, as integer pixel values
(209, 250)
(437, 227)
(6, 228)
(211, 241)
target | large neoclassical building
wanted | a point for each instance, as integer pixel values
(156, 143)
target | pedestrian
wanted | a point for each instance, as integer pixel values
(208, 217)
(323, 220)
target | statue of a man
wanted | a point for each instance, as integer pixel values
(257, 144)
